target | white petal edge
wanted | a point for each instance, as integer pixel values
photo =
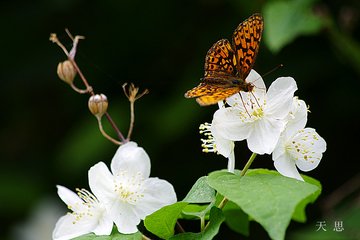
(228, 125)
(297, 117)
(280, 97)
(101, 183)
(315, 147)
(157, 194)
(286, 167)
(231, 162)
(65, 228)
(265, 135)
(70, 226)
(129, 157)
(69, 197)
(223, 146)
(125, 218)
(105, 225)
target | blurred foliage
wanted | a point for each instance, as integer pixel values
(48, 137)
(287, 20)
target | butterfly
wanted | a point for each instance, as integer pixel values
(228, 64)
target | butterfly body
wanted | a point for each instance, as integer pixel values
(228, 64)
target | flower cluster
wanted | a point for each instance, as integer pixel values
(270, 121)
(124, 196)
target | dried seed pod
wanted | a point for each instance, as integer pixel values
(98, 105)
(66, 71)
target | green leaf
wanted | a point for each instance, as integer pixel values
(162, 222)
(266, 196)
(200, 192)
(286, 20)
(197, 211)
(113, 236)
(236, 219)
(216, 218)
(300, 214)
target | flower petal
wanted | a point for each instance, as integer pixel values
(101, 183)
(129, 157)
(280, 147)
(223, 146)
(280, 97)
(231, 162)
(286, 167)
(69, 198)
(265, 135)
(69, 226)
(297, 117)
(105, 225)
(125, 217)
(311, 149)
(228, 123)
(157, 194)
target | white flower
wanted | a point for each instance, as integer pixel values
(88, 215)
(298, 146)
(257, 116)
(215, 143)
(127, 192)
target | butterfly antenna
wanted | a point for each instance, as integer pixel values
(273, 70)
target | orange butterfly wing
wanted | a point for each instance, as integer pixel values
(246, 42)
(216, 96)
(220, 62)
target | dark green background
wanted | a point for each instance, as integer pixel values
(48, 137)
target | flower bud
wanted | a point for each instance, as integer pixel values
(98, 105)
(66, 71)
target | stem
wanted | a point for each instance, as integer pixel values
(54, 39)
(248, 164)
(113, 125)
(202, 223)
(145, 237)
(78, 90)
(132, 119)
(223, 202)
(88, 87)
(179, 227)
(105, 134)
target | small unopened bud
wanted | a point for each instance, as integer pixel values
(98, 105)
(66, 71)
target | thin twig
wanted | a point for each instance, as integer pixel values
(87, 85)
(179, 227)
(113, 125)
(105, 134)
(132, 120)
